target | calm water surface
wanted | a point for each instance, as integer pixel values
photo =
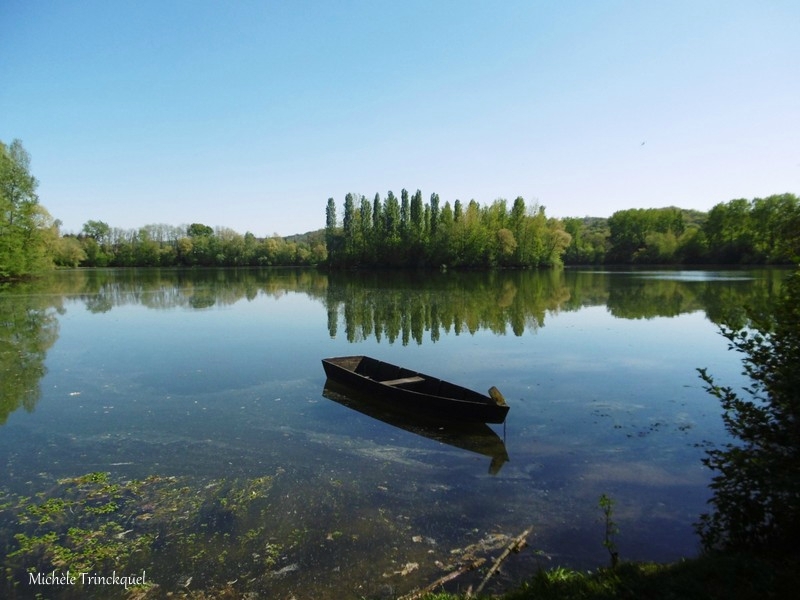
(261, 480)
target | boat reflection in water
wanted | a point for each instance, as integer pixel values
(475, 437)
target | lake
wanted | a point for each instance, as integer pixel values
(180, 420)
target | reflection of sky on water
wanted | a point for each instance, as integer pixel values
(678, 275)
(598, 405)
(694, 275)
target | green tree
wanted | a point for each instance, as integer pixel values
(231, 247)
(349, 228)
(456, 238)
(692, 245)
(443, 253)
(658, 248)
(417, 233)
(95, 257)
(25, 226)
(377, 212)
(391, 230)
(727, 230)
(435, 212)
(184, 251)
(146, 249)
(556, 241)
(196, 230)
(68, 251)
(518, 226)
(506, 245)
(97, 245)
(405, 221)
(774, 227)
(531, 240)
(250, 249)
(334, 241)
(787, 245)
(477, 241)
(100, 231)
(631, 234)
(365, 233)
(205, 247)
(756, 489)
(577, 252)
(413, 233)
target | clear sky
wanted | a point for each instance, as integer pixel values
(250, 115)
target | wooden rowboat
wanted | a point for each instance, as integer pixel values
(416, 393)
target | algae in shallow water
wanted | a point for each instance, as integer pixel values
(89, 524)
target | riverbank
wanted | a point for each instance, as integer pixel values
(711, 577)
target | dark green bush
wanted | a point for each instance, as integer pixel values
(756, 489)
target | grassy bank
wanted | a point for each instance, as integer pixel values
(712, 577)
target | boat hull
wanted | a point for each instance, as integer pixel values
(414, 393)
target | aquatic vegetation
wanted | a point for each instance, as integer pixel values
(606, 504)
(89, 524)
(216, 538)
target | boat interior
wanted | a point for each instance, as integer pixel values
(407, 379)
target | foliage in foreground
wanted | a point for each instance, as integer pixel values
(712, 577)
(756, 489)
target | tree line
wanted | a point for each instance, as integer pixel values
(404, 232)
(99, 245)
(408, 232)
(758, 231)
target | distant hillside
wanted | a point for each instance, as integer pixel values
(310, 237)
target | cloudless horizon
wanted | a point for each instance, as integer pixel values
(250, 115)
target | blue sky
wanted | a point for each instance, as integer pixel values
(250, 115)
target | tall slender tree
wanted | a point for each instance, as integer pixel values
(349, 227)
(366, 237)
(332, 236)
(405, 221)
(435, 212)
(391, 231)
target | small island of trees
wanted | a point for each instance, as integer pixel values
(412, 234)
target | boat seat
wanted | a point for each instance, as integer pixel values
(402, 380)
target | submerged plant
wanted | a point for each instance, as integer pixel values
(91, 524)
(607, 506)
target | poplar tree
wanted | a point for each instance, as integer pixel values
(332, 237)
(391, 223)
(365, 215)
(348, 225)
(435, 211)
